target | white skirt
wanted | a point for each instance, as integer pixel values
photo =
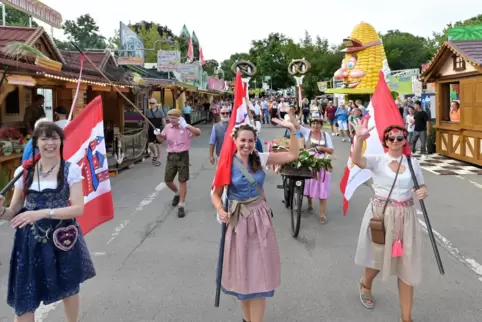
(401, 223)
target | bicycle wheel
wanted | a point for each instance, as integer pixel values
(286, 191)
(297, 199)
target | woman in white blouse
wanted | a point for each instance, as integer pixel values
(400, 254)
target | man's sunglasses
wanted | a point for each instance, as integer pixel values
(225, 113)
(398, 138)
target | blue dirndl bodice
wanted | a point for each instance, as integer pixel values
(39, 271)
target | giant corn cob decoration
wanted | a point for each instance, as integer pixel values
(364, 58)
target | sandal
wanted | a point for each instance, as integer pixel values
(310, 208)
(366, 300)
(323, 220)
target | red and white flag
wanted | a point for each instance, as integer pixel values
(190, 50)
(239, 114)
(201, 56)
(85, 146)
(382, 113)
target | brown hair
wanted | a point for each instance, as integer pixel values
(253, 159)
(48, 129)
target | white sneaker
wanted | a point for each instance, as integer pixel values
(343, 140)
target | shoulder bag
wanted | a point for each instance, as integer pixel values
(377, 224)
(250, 179)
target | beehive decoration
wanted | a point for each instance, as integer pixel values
(365, 57)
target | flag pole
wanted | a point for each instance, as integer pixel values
(113, 86)
(247, 69)
(427, 220)
(11, 183)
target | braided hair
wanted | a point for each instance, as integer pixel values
(253, 160)
(48, 129)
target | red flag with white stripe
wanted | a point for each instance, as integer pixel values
(190, 50)
(239, 114)
(382, 113)
(85, 146)
(201, 56)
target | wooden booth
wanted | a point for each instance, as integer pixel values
(456, 70)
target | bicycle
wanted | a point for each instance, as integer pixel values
(293, 191)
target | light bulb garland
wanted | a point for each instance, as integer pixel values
(75, 80)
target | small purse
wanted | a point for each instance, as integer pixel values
(377, 224)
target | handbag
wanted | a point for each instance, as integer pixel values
(250, 179)
(64, 238)
(377, 224)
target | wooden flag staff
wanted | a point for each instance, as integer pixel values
(113, 86)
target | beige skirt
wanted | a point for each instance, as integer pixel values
(402, 227)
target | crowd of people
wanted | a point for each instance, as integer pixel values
(49, 198)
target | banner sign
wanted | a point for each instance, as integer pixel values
(216, 84)
(322, 86)
(132, 47)
(37, 10)
(168, 57)
(401, 85)
(188, 72)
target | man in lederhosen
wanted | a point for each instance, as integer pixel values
(178, 135)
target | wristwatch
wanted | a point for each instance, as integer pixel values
(51, 212)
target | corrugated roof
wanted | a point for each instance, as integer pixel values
(470, 49)
(29, 36)
(72, 59)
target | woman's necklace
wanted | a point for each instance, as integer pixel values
(45, 174)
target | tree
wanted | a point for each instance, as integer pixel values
(211, 66)
(84, 32)
(406, 51)
(15, 17)
(443, 36)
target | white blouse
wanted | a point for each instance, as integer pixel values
(383, 176)
(75, 175)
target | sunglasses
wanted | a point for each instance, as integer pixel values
(224, 113)
(398, 138)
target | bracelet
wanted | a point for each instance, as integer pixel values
(291, 133)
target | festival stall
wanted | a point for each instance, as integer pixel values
(365, 57)
(456, 70)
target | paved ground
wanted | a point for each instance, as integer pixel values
(153, 266)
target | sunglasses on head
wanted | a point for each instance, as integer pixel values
(399, 138)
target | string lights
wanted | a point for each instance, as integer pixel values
(75, 80)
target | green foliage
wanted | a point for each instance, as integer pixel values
(210, 66)
(443, 36)
(84, 32)
(16, 18)
(405, 51)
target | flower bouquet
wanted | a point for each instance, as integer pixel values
(307, 165)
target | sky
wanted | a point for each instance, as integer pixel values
(224, 29)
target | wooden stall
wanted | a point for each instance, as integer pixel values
(458, 65)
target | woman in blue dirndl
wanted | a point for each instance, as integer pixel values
(49, 258)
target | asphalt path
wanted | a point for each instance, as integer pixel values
(152, 266)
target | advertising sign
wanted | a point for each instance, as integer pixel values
(401, 85)
(168, 57)
(132, 46)
(37, 10)
(216, 84)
